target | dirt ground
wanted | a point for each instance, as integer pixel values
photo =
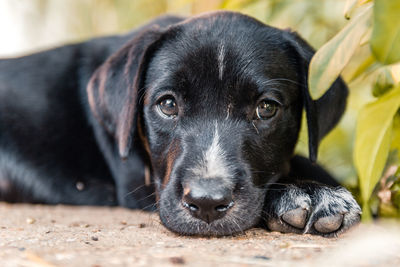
(38, 235)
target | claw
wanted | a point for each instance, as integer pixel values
(274, 225)
(278, 226)
(296, 217)
(329, 224)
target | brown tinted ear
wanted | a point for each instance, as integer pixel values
(324, 113)
(114, 89)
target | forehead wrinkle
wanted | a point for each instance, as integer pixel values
(285, 90)
(278, 82)
(278, 93)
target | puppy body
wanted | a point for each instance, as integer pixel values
(176, 99)
(48, 147)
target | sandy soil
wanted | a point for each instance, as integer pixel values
(37, 235)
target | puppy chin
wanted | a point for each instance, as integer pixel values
(244, 215)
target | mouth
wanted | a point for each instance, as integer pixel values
(244, 212)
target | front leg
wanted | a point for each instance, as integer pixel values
(310, 208)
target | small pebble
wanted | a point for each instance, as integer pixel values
(48, 232)
(30, 221)
(95, 238)
(284, 245)
(124, 223)
(177, 260)
(142, 225)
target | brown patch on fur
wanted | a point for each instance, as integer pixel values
(145, 141)
(146, 100)
(186, 191)
(172, 155)
(142, 136)
(147, 178)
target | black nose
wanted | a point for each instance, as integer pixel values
(207, 202)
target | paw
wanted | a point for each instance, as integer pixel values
(310, 208)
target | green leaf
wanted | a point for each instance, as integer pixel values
(385, 40)
(396, 133)
(329, 61)
(367, 62)
(384, 82)
(373, 139)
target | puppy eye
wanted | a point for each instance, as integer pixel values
(266, 109)
(168, 107)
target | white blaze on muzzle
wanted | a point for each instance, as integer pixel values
(213, 163)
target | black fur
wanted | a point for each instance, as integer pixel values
(81, 124)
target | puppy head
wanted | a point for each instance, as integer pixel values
(220, 117)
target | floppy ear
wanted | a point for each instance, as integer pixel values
(324, 113)
(115, 88)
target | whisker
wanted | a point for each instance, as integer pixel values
(137, 188)
(238, 226)
(255, 127)
(155, 204)
(149, 195)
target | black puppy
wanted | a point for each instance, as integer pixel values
(199, 116)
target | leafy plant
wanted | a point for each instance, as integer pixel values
(375, 24)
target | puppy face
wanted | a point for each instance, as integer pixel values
(222, 111)
(216, 102)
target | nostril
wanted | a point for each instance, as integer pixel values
(190, 206)
(207, 201)
(223, 208)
